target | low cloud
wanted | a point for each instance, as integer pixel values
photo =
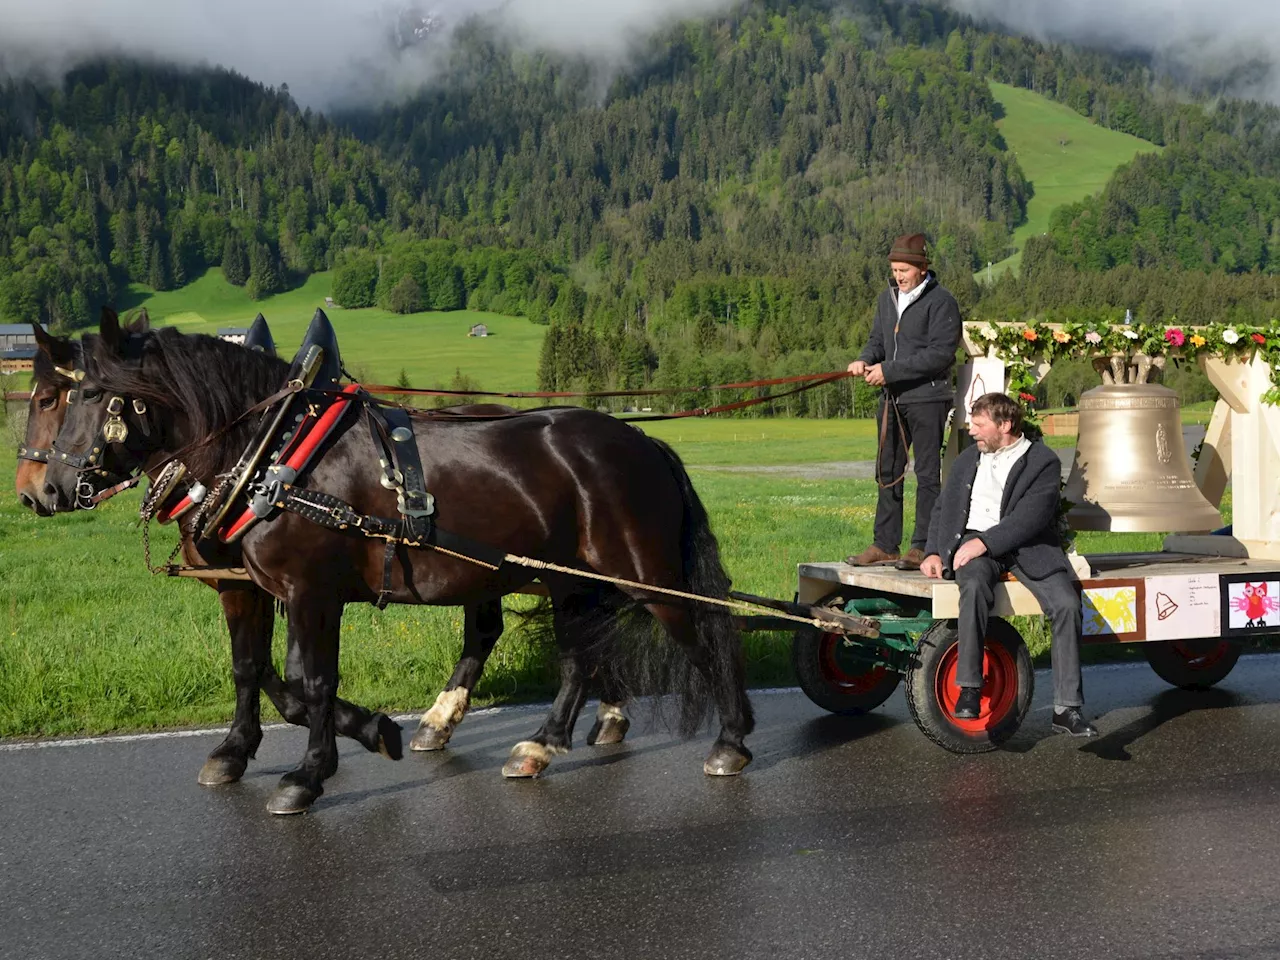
(1233, 51)
(329, 52)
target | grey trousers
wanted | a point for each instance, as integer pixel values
(1058, 598)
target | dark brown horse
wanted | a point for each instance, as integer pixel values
(568, 486)
(249, 610)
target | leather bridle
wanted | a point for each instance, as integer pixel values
(89, 463)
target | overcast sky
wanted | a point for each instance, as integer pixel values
(336, 52)
(328, 51)
(1209, 37)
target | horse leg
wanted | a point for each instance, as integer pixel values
(530, 757)
(249, 615)
(315, 622)
(611, 724)
(726, 677)
(376, 732)
(482, 626)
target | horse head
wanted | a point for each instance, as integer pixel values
(45, 412)
(91, 446)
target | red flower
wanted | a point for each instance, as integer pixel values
(1027, 397)
(1258, 338)
(1175, 336)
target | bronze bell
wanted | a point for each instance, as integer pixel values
(1131, 472)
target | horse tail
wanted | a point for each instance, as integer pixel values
(704, 575)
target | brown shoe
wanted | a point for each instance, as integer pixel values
(912, 561)
(873, 556)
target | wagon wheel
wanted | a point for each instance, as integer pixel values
(832, 679)
(1193, 664)
(1007, 686)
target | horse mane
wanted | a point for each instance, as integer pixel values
(210, 381)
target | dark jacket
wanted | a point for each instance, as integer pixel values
(919, 353)
(1027, 533)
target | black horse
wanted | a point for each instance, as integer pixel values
(567, 486)
(249, 610)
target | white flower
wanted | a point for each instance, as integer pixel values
(1014, 349)
(1230, 336)
(1131, 334)
(989, 332)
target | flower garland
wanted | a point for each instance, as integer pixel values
(1022, 345)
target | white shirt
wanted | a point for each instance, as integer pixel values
(988, 485)
(904, 300)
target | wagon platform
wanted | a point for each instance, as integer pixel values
(1167, 573)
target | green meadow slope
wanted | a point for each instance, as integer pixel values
(376, 345)
(1064, 155)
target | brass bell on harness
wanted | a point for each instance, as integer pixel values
(1131, 472)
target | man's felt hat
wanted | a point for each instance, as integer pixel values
(910, 248)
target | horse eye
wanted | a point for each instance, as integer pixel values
(47, 403)
(90, 393)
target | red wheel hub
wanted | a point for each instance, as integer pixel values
(999, 687)
(841, 679)
(1201, 654)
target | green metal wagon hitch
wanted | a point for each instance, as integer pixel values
(896, 644)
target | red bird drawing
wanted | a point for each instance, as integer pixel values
(1255, 603)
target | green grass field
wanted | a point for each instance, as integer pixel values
(376, 345)
(1064, 155)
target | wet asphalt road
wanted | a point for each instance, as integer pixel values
(845, 839)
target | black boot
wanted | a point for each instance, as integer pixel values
(1071, 720)
(968, 704)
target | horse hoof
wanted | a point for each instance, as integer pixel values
(528, 760)
(219, 770)
(290, 799)
(725, 761)
(390, 738)
(608, 730)
(429, 738)
(523, 768)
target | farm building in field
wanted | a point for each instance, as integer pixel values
(233, 334)
(479, 330)
(17, 347)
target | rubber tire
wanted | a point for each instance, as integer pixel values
(935, 650)
(821, 680)
(1174, 664)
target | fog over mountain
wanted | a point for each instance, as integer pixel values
(1233, 50)
(329, 52)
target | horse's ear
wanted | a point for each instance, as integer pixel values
(44, 340)
(109, 328)
(57, 349)
(140, 323)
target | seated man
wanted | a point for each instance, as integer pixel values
(998, 513)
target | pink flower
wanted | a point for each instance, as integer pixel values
(1093, 336)
(1175, 336)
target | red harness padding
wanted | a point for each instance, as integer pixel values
(298, 452)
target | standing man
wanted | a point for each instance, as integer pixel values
(909, 355)
(998, 514)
